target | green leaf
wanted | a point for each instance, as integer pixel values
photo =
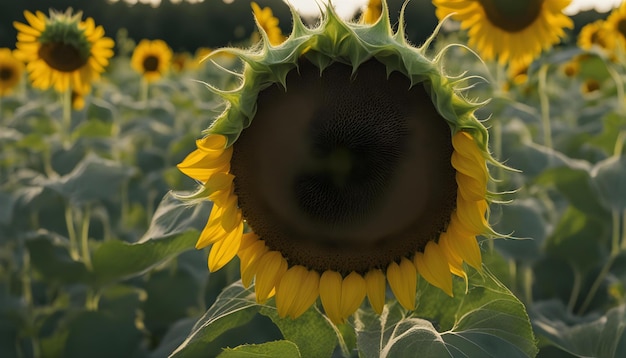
(578, 239)
(92, 128)
(234, 307)
(93, 179)
(610, 178)
(488, 321)
(7, 202)
(602, 337)
(524, 220)
(98, 334)
(577, 186)
(174, 228)
(49, 255)
(283, 349)
(311, 332)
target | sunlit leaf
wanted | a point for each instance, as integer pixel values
(174, 228)
(312, 333)
(234, 307)
(594, 336)
(93, 179)
(487, 322)
(283, 349)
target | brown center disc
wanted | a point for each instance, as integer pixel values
(345, 172)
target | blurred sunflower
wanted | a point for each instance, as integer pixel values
(509, 31)
(372, 12)
(151, 58)
(616, 25)
(61, 51)
(337, 168)
(266, 20)
(596, 34)
(10, 71)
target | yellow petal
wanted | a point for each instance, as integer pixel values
(297, 291)
(353, 290)
(433, 266)
(249, 260)
(330, 295)
(375, 286)
(403, 282)
(471, 215)
(223, 251)
(470, 188)
(272, 266)
(454, 259)
(464, 243)
(213, 231)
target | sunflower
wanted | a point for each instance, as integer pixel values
(372, 12)
(511, 31)
(616, 25)
(266, 20)
(345, 161)
(151, 58)
(10, 71)
(61, 51)
(596, 34)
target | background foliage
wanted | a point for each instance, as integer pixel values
(97, 259)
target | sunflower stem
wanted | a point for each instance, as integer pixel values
(527, 277)
(27, 294)
(67, 117)
(619, 144)
(92, 300)
(573, 298)
(619, 85)
(84, 238)
(71, 232)
(545, 106)
(615, 251)
(143, 91)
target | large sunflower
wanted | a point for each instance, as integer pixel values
(509, 30)
(61, 51)
(10, 71)
(152, 59)
(345, 160)
(616, 26)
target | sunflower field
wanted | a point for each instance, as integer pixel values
(334, 191)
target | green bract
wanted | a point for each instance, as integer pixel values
(336, 40)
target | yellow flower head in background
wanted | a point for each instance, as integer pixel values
(266, 20)
(61, 51)
(152, 59)
(372, 12)
(616, 26)
(10, 71)
(509, 30)
(344, 162)
(596, 34)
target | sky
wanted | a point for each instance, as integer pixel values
(347, 8)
